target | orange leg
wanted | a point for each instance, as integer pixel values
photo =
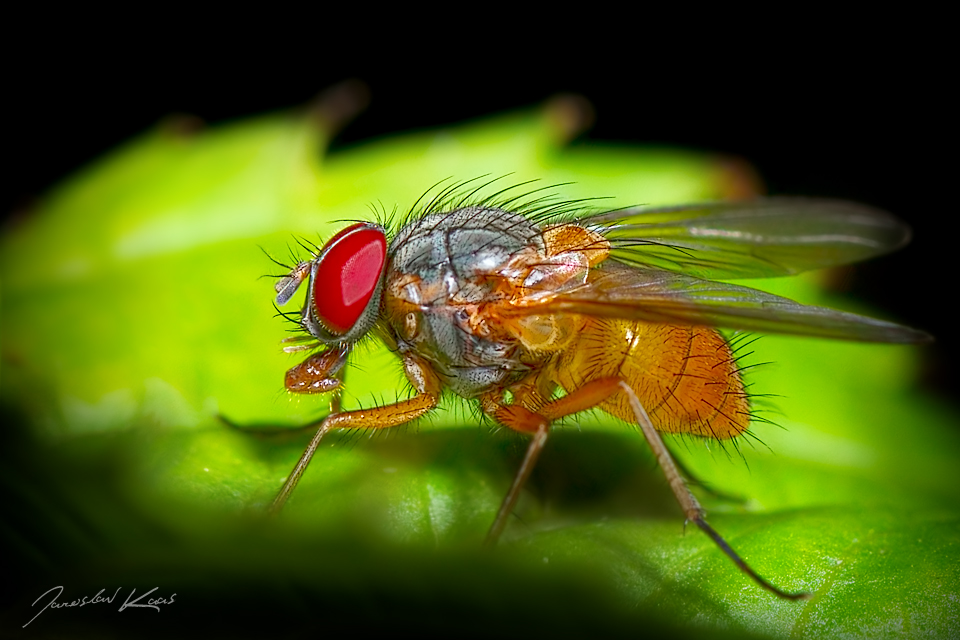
(424, 380)
(587, 396)
(537, 424)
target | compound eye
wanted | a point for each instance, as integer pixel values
(347, 276)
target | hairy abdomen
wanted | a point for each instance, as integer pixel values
(685, 376)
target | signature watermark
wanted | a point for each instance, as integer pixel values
(129, 603)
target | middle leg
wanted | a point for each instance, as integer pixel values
(537, 424)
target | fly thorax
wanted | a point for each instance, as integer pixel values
(443, 269)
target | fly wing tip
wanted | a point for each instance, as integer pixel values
(918, 336)
(899, 334)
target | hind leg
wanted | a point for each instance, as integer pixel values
(593, 393)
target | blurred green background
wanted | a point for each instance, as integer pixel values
(134, 312)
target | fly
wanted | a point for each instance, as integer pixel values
(508, 303)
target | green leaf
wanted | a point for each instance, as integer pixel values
(134, 315)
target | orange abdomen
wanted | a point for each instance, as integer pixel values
(685, 376)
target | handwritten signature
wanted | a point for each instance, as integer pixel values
(152, 603)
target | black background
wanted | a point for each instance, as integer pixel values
(854, 112)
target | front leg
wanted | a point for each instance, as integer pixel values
(421, 376)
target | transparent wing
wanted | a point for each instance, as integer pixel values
(754, 239)
(620, 291)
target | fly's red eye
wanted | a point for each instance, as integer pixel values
(347, 275)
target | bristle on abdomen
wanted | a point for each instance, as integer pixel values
(686, 377)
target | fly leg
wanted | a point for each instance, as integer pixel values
(688, 502)
(425, 382)
(525, 421)
(537, 424)
(588, 396)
